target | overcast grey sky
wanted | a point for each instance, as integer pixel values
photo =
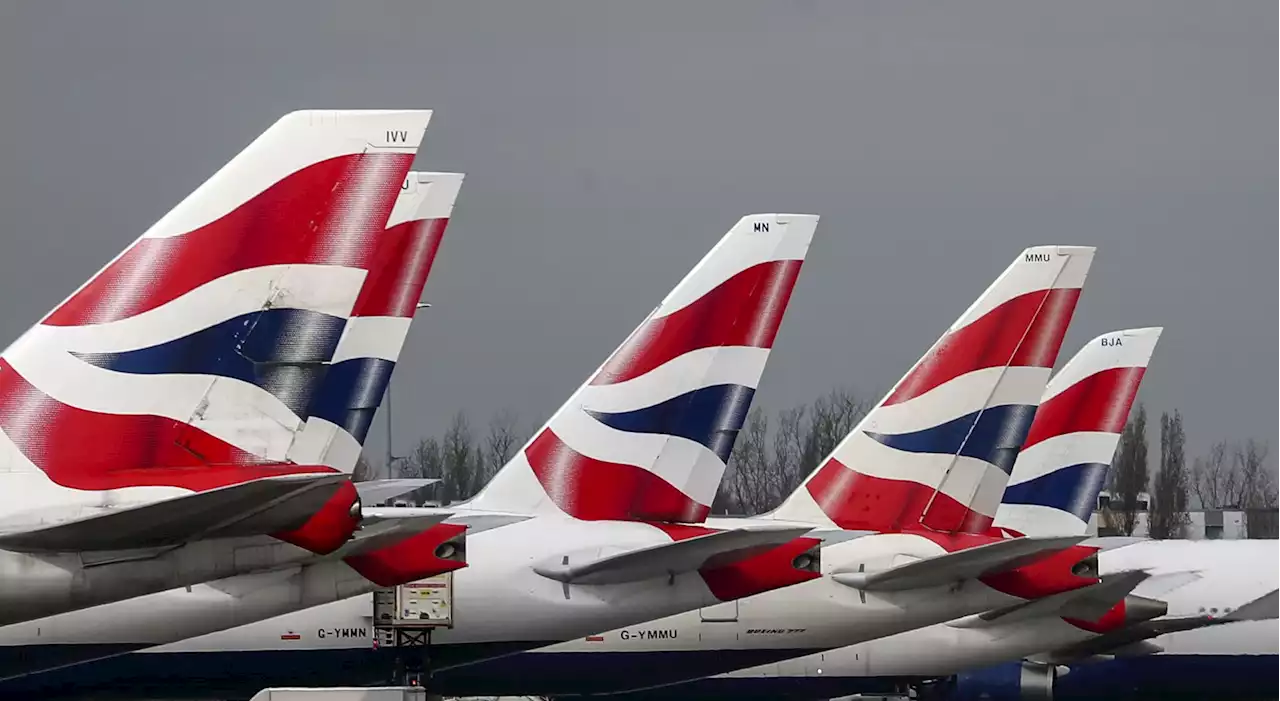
(608, 145)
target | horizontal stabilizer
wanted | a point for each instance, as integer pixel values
(1158, 585)
(969, 563)
(1113, 643)
(377, 534)
(1113, 542)
(475, 522)
(1263, 608)
(1087, 603)
(257, 507)
(378, 491)
(832, 536)
(1095, 601)
(392, 514)
(710, 550)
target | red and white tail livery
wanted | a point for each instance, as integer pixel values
(924, 471)
(647, 437)
(578, 533)
(155, 407)
(1054, 487)
(553, 577)
(937, 451)
(342, 410)
(385, 552)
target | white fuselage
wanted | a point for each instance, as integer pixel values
(818, 614)
(178, 614)
(497, 598)
(1230, 574)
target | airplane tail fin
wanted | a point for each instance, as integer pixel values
(187, 349)
(339, 415)
(945, 437)
(647, 437)
(1054, 486)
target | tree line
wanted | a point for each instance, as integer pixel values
(773, 454)
(771, 458)
(1231, 475)
(461, 459)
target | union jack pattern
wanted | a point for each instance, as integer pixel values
(647, 437)
(194, 357)
(1054, 487)
(343, 406)
(937, 451)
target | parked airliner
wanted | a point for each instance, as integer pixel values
(582, 531)
(1171, 618)
(1054, 484)
(146, 422)
(341, 405)
(1219, 640)
(925, 457)
(925, 470)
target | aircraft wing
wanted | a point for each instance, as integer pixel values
(1135, 639)
(970, 563)
(710, 550)
(256, 507)
(1088, 603)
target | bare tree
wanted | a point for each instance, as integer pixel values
(788, 453)
(1212, 478)
(461, 460)
(766, 466)
(1257, 488)
(831, 417)
(1129, 473)
(501, 443)
(1235, 476)
(1168, 517)
(750, 473)
(424, 462)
